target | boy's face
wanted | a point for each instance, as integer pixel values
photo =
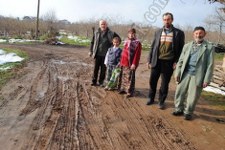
(116, 43)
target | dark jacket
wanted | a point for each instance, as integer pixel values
(177, 46)
(114, 57)
(95, 40)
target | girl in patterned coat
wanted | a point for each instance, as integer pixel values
(129, 62)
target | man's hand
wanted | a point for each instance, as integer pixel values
(90, 54)
(177, 79)
(132, 67)
(204, 85)
(148, 65)
(174, 66)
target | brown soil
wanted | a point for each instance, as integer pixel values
(51, 105)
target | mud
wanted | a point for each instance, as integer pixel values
(51, 105)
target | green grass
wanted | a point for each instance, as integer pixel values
(5, 76)
(8, 74)
(214, 99)
(219, 56)
(17, 52)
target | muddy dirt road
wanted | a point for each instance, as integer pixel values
(51, 105)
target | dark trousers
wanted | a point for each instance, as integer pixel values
(99, 65)
(165, 69)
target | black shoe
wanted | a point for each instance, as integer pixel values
(178, 113)
(122, 92)
(93, 84)
(161, 106)
(150, 101)
(129, 95)
(187, 117)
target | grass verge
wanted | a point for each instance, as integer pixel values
(8, 74)
(214, 99)
(81, 41)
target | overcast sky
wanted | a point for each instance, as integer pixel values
(186, 12)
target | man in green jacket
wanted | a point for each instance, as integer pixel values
(193, 73)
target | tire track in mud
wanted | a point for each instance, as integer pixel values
(70, 114)
(59, 117)
(132, 128)
(84, 117)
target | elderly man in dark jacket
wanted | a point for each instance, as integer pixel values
(101, 42)
(165, 52)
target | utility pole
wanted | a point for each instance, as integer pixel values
(37, 24)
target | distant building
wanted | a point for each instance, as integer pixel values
(65, 22)
(29, 18)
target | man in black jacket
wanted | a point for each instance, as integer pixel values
(164, 53)
(101, 42)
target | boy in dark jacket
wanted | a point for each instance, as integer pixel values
(112, 60)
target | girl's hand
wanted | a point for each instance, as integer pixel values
(132, 67)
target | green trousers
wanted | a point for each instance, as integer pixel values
(187, 90)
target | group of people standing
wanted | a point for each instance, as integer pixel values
(109, 57)
(193, 64)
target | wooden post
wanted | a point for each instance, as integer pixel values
(37, 24)
(223, 65)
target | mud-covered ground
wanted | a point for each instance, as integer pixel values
(51, 105)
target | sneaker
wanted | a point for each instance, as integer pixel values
(110, 89)
(178, 113)
(101, 85)
(106, 88)
(187, 117)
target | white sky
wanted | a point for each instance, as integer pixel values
(186, 12)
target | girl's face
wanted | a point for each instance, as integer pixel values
(131, 35)
(116, 43)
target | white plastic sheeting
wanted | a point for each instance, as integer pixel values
(9, 57)
(214, 90)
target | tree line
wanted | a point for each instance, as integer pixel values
(49, 27)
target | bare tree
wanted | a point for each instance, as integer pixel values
(50, 20)
(216, 22)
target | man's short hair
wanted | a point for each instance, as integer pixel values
(199, 28)
(168, 13)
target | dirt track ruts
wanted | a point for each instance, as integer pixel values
(52, 106)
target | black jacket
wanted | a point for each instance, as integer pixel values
(95, 40)
(177, 45)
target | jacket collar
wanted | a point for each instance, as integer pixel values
(201, 50)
